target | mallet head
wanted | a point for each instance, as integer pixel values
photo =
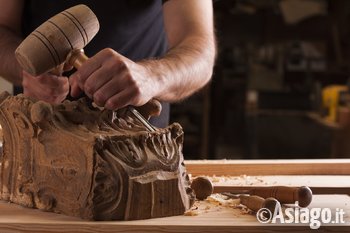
(49, 45)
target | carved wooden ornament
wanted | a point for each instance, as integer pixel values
(77, 160)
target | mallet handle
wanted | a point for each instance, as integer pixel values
(255, 203)
(76, 58)
(286, 195)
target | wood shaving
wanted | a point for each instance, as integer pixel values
(220, 200)
(191, 213)
(242, 180)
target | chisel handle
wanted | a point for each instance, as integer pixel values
(255, 203)
(285, 195)
(252, 202)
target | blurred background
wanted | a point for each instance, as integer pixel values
(281, 83)
(280, 87)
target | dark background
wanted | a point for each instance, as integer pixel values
(265, 98)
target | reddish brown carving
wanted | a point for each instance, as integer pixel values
(77, 160)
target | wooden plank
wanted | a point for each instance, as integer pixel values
(210, 218)
(268, 167)
(319, 184)
(315, 190)
(14, 218)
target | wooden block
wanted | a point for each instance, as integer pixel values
(77, 160)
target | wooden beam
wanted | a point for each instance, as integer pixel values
(268, 167)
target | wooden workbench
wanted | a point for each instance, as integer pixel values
(209, 217)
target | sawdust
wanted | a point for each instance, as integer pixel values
(217, 203)
(242, 180)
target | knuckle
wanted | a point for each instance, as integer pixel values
(88, 88)
(110, 64)
(130, 80)
(111, 104)
(108, 52)
(137, 99)
(137, 91)
(63, 79)
(123, 65)
(99, 97)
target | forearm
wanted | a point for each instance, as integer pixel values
(9, 67)
(184, 69)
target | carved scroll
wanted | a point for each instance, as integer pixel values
(77, 160)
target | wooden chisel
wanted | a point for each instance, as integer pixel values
(285, 195)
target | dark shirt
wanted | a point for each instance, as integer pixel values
(133, 28)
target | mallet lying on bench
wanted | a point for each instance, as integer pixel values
(285, 195)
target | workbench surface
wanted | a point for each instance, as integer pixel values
(207, 216)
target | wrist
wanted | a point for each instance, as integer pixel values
(156, 77)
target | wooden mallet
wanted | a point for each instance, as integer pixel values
(203, 187)
(60, 40)
(50, 44)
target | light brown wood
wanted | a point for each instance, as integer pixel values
(315, 190)
(49, 45)
(255, 203)
(285, 195)
(210, 218)
(268, 167)
(319, 184)
(75, 159)
(316, 174)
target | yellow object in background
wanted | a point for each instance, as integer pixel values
(331, 99)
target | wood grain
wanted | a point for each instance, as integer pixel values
(319, 184)
(210, 218)
(49, 45)
(268, 167)
(75, 159)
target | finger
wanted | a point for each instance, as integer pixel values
(38, 94)
(102, 76)
(120, 100)
(49, 80)
(33, 87)
(75, 90)
(108, 90)
(94, 63)
(52, 81)
(87, 68)
(97, 80)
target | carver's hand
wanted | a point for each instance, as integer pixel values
(113, 81)
(46, 87)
